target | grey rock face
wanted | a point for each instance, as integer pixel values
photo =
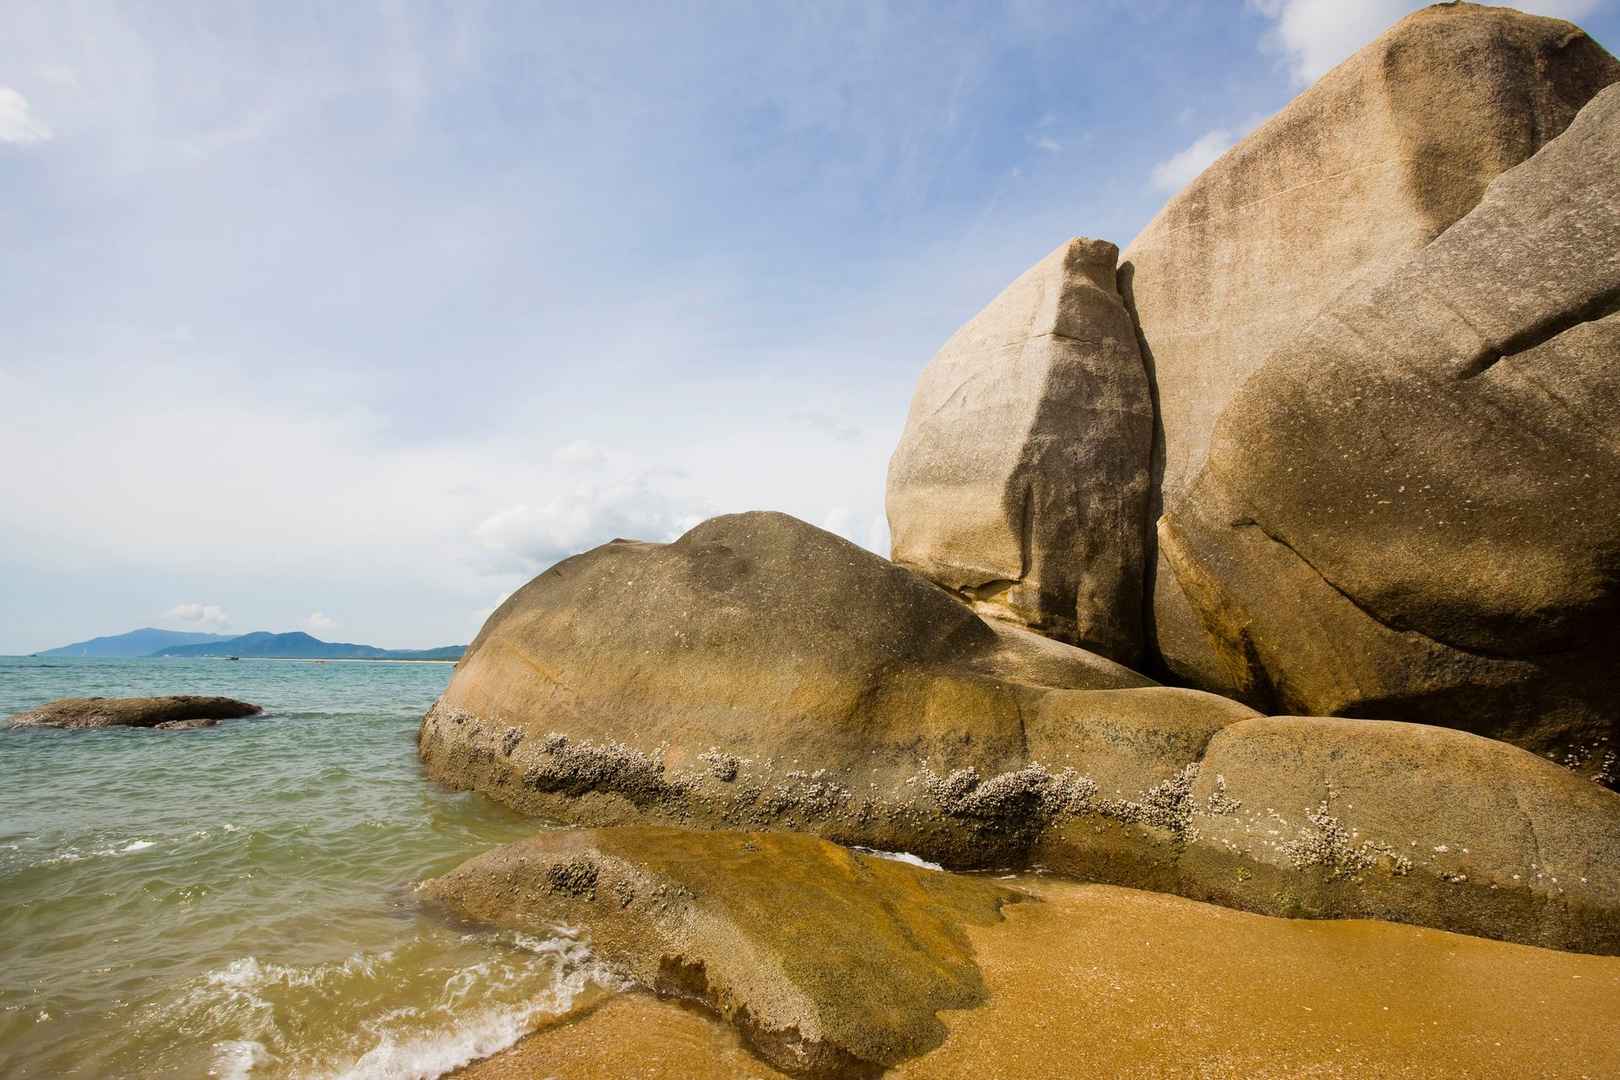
(1021, 479)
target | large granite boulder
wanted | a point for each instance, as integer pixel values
(757, 671)
(1413, 509)
(830, 962)
(760, 673)
(1021, 479)
(1371, 163)
(178, 712)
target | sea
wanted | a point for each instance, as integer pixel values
(241, 900)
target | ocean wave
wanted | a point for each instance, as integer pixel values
(430, 1007)
(426, 1057)
(235, 1059)
(73, 853)
(478, 1033)
(901, 856)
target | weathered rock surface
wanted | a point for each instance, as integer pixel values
(1021, 479)
(756, 672)
(177, 713)
(760, 673)
(831, 963)
(1413, 509)
(1369, 164)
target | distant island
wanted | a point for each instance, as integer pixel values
(259, 645)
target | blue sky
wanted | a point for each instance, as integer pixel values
(351, 317)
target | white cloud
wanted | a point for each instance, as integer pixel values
(18, 124)
(877, 535)
(828, 423)
(528, 537)
(840, 520)
(579, 452)
(1179, 170)
(317, 622)
(201, 616)
(1047, 143)
(1315, 35)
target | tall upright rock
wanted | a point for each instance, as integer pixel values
(1413, 508)
(1021, 480)
(1371, 163)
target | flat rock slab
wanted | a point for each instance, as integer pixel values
(829, 962)
(178, 712)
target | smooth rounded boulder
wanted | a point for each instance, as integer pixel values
(758, 671)
(1370, 164)
(1410, 511)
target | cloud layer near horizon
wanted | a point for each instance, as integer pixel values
(352, 319)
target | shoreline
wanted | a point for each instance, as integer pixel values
(1157, 985)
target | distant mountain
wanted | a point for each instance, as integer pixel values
(143, 642)
(300, 646)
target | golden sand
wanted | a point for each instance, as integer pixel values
(1096, 981)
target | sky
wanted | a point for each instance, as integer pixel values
(352, 317)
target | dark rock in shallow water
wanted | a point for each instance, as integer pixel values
(186, 725)
(175, 713)
(831, 963)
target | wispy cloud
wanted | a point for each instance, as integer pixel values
(1178, 170)
(200, 616)
(580, 513)
(466, 288)
(318, 622)
(18, 124)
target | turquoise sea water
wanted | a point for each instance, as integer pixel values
(239, 900)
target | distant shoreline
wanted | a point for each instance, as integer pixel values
(279, 659)
(310, 659)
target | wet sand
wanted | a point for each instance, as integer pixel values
(1096, 981)
(633, 1036)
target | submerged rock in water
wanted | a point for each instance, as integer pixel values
(831, 963)
(175, 713)
(762, 673)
